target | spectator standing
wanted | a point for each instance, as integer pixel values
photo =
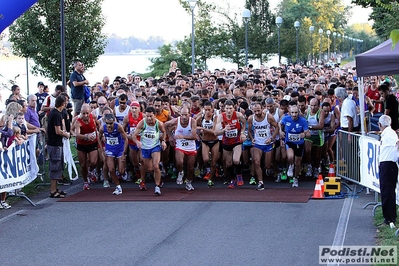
(388, 169)
(390, 105)
(77, 83)
(56, 131)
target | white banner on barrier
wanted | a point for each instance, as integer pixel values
(369, 155)
(18, 165)
(369, 163)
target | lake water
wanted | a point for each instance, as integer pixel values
(107, 65)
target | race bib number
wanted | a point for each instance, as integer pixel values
(184, 143)
(262, 133)
(112, 141)
(294, 137)
(231, 133)
(149, 135)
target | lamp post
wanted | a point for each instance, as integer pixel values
(246, 14)
(339, 36)
(328, 32)
(297, 24)
(321, 40)
(192, 4)
(279, 21)
(311, 30)
(334, 36)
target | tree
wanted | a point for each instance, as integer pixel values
(322, 14)
(385, 16)
(36, 35)
(261, 26)
(168, 53)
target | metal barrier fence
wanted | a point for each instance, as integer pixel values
(348, 156)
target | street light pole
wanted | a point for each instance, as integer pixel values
(279, 21)
(334, 36)
(328, 32)
(246, 14)
(311, 30)
(297, 24)
(321, 40)
(192, 4)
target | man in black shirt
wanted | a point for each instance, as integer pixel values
(56, 131)
(390, 105)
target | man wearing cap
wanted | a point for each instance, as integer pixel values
(130, 123)
(40, 96)
(77, 82)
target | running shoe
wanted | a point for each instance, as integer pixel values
(290, 171)
(316, 172)
(138, 181)
(210, 184)
(284, 175)
(231, 185)
(174, 175)
(240, 181)
(309, 171)
(92, 176)
(295, 183)
(106, 183)
(179, 179)
(278, 180)
(124, 176)
(157, 190)
(207, 175)
(260, 187)
(197, 172)
(117, 191)
(142, 186)
(252, 181)
(189, 186)
(86, 186)
(4, 205)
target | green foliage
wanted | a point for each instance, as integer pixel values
(168, 53)
(37, 35)
(260, 29)
(395, 38)
(325, 14)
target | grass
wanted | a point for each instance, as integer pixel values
(385, 235)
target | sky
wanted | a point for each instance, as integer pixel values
(168, 19)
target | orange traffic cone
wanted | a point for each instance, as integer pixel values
(321, 182)
(331, 171)
(317, 194)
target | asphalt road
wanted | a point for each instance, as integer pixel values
(180, 233)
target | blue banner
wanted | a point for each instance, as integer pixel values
(10, 10)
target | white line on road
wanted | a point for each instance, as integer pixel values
(343, 221)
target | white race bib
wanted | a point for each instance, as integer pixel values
(112, 141)
(294, 137)
(231, 133)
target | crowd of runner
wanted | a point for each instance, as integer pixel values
(278, 122)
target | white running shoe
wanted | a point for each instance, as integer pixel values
(179, 179)
(295, 182)
(106, 183)
(4, 205)
(290, 172)
(309, 171)
(117, 191)
(157, 190)
(189, 186)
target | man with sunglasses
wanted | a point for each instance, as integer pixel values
(98, 112)
(122, 110)
(115, 148)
